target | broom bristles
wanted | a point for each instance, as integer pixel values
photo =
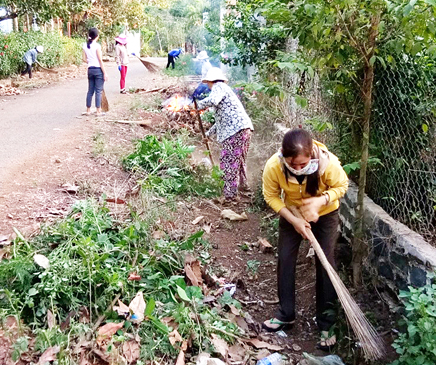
(372, 344)
(104, 102)
(149, 65)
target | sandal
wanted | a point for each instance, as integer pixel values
(326, 338)
(277, 325)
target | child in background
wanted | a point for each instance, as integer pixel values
(122, 60)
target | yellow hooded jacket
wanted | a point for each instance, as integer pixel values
(333, 181)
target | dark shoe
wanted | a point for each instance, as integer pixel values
(123, 91)
(275, 325)
(322, 344)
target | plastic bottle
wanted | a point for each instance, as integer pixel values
(273, 359)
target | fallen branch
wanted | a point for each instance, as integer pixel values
(102, 317)
(158, 89)
(138, 122)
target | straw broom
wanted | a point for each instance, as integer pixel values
(46, 69)
(370, 341)
(104, 102)
(149, 65)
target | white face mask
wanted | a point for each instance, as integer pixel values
(309, 169)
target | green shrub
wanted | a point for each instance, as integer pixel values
(166, 169)
(58, 50)
(417, 344)
(184, 65)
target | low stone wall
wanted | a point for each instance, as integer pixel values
(398, 256)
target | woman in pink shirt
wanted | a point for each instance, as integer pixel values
(122, 59)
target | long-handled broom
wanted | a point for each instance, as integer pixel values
(46, 69)
(104, 102)
(370, 341)
(149, 65)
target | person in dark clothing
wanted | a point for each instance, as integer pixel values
(172, 55)
(30, 58)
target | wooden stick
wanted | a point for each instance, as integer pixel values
(202, 131)
(139, 122)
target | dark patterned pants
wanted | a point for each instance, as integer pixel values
(326, 232)
(233, 162)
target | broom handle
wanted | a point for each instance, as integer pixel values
(202, 131)
(314, 242)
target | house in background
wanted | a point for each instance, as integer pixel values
(5, 25)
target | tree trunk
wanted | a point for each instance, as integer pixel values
(359, 245)
(158, 38)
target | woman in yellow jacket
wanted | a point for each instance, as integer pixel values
(306, 175)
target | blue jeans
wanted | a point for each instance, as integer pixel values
(95, 85)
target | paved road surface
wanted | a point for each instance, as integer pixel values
(42, 115)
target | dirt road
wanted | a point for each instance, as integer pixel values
(31, 121)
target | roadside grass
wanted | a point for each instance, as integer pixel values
(99, 146)
(184, 65)
(163, 166)
(151, 103)
(91, 256)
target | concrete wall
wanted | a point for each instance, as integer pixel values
(398, 256)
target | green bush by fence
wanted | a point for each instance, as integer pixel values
(58, 50)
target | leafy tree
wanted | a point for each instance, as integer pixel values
(43, 9)
(251, 39)
(344, 40)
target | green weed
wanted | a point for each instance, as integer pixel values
(164, 168)
(184, 65)
(252, 267)
(417, 343)
(91, 256)
(58, 50)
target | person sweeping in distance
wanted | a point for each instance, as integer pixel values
(233, 128)
(122, 60)
(172, 55)
(202, 89)
(96, 71)
(29, 58)
(307, 176)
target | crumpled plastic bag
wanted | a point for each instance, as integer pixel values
(322, 360)
(205, 359)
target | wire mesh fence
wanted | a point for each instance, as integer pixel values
(403, 139)
(402, 165)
